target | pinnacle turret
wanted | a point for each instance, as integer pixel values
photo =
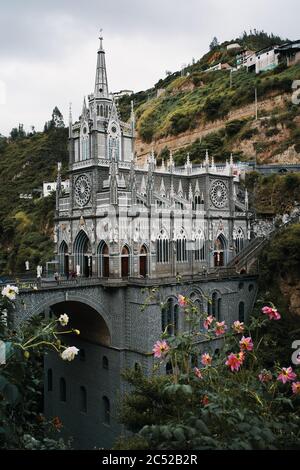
(101, 86)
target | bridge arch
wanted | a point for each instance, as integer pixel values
(85, 312)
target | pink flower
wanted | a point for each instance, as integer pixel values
(238, 326)
(271, 312)
(208, 321)
(206, 359)
(246, 343)
(160, 348)
(296, 388)
(198, 373)
(265, 376)
(286, 375)
(182, 300)
(234, 361)
(220, 328)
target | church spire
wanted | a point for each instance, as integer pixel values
(101, 87)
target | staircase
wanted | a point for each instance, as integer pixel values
(246, 259)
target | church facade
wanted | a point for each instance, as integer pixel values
(133, 226)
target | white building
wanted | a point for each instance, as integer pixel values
(263, 60)
(49, 188)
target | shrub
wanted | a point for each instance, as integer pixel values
(225, 401)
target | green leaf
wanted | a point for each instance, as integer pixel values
(11, 394)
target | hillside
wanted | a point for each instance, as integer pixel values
(192, 113)
(26, 225)
(195, 110)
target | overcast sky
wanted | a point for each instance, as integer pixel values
(48, 48)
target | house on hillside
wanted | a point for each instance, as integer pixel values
(219, 66)
(289, 53)
(263, 60)
(242, 57)
(50, 187)
(232, 46)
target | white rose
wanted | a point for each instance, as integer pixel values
(63, 319)
(69, 353)
(10, 292)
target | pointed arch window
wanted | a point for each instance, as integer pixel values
(163, 247)
(239, 240)
(196, 202)
(200, 246)
(170, 317)
(85, 149)
(181, 250)
(216, 304)
(103, 259)
(125, 261)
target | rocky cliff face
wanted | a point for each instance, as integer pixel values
(269, 141)
(290, 288)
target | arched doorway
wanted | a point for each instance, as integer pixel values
(220, 251)
(103, 259)
(63, 259)
(82, 254)
(77, 389)
(125, 261)
(143, 261)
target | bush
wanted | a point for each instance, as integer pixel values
(230, 401)
(233, 127)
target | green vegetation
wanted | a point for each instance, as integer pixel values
(237, 400)
(281, 259)
(275, 194)
(26, 225)
(176, 110)
(22, 423)
(198, 97)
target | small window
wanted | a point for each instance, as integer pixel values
(50, 380)
(169, 369)
(106, 410)
(62, 389)
(105, 362)
(241, 311)
(251, 287)
(241, 285)
(83, 399)
(137, 367)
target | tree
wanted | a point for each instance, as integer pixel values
(57, 121)
(214, 43)
(57, 118)
(18, 132)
